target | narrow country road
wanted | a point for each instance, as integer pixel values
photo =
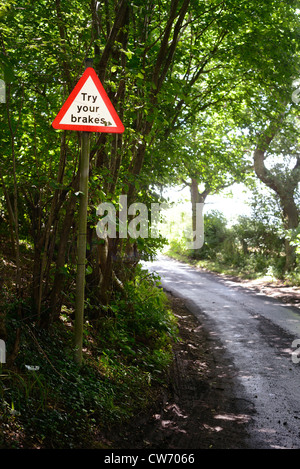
(257, 333)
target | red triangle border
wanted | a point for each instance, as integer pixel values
(89, 72)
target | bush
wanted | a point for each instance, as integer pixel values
(252, 247)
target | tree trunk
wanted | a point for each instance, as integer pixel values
(284, 188)
(60, 275)
(291, 222)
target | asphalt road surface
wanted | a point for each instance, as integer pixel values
(258, 335)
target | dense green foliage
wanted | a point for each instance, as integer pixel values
(251, 247)
(58, 405)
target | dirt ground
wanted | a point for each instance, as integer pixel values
(197, 410)
(289, 295)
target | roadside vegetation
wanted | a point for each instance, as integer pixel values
(252, 247)
(46, 400)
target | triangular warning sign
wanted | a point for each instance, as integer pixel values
(88, 108)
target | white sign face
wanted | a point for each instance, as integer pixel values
(88, 108)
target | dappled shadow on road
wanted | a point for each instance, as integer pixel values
(199, 409)
(288, 295)
(275, 289)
